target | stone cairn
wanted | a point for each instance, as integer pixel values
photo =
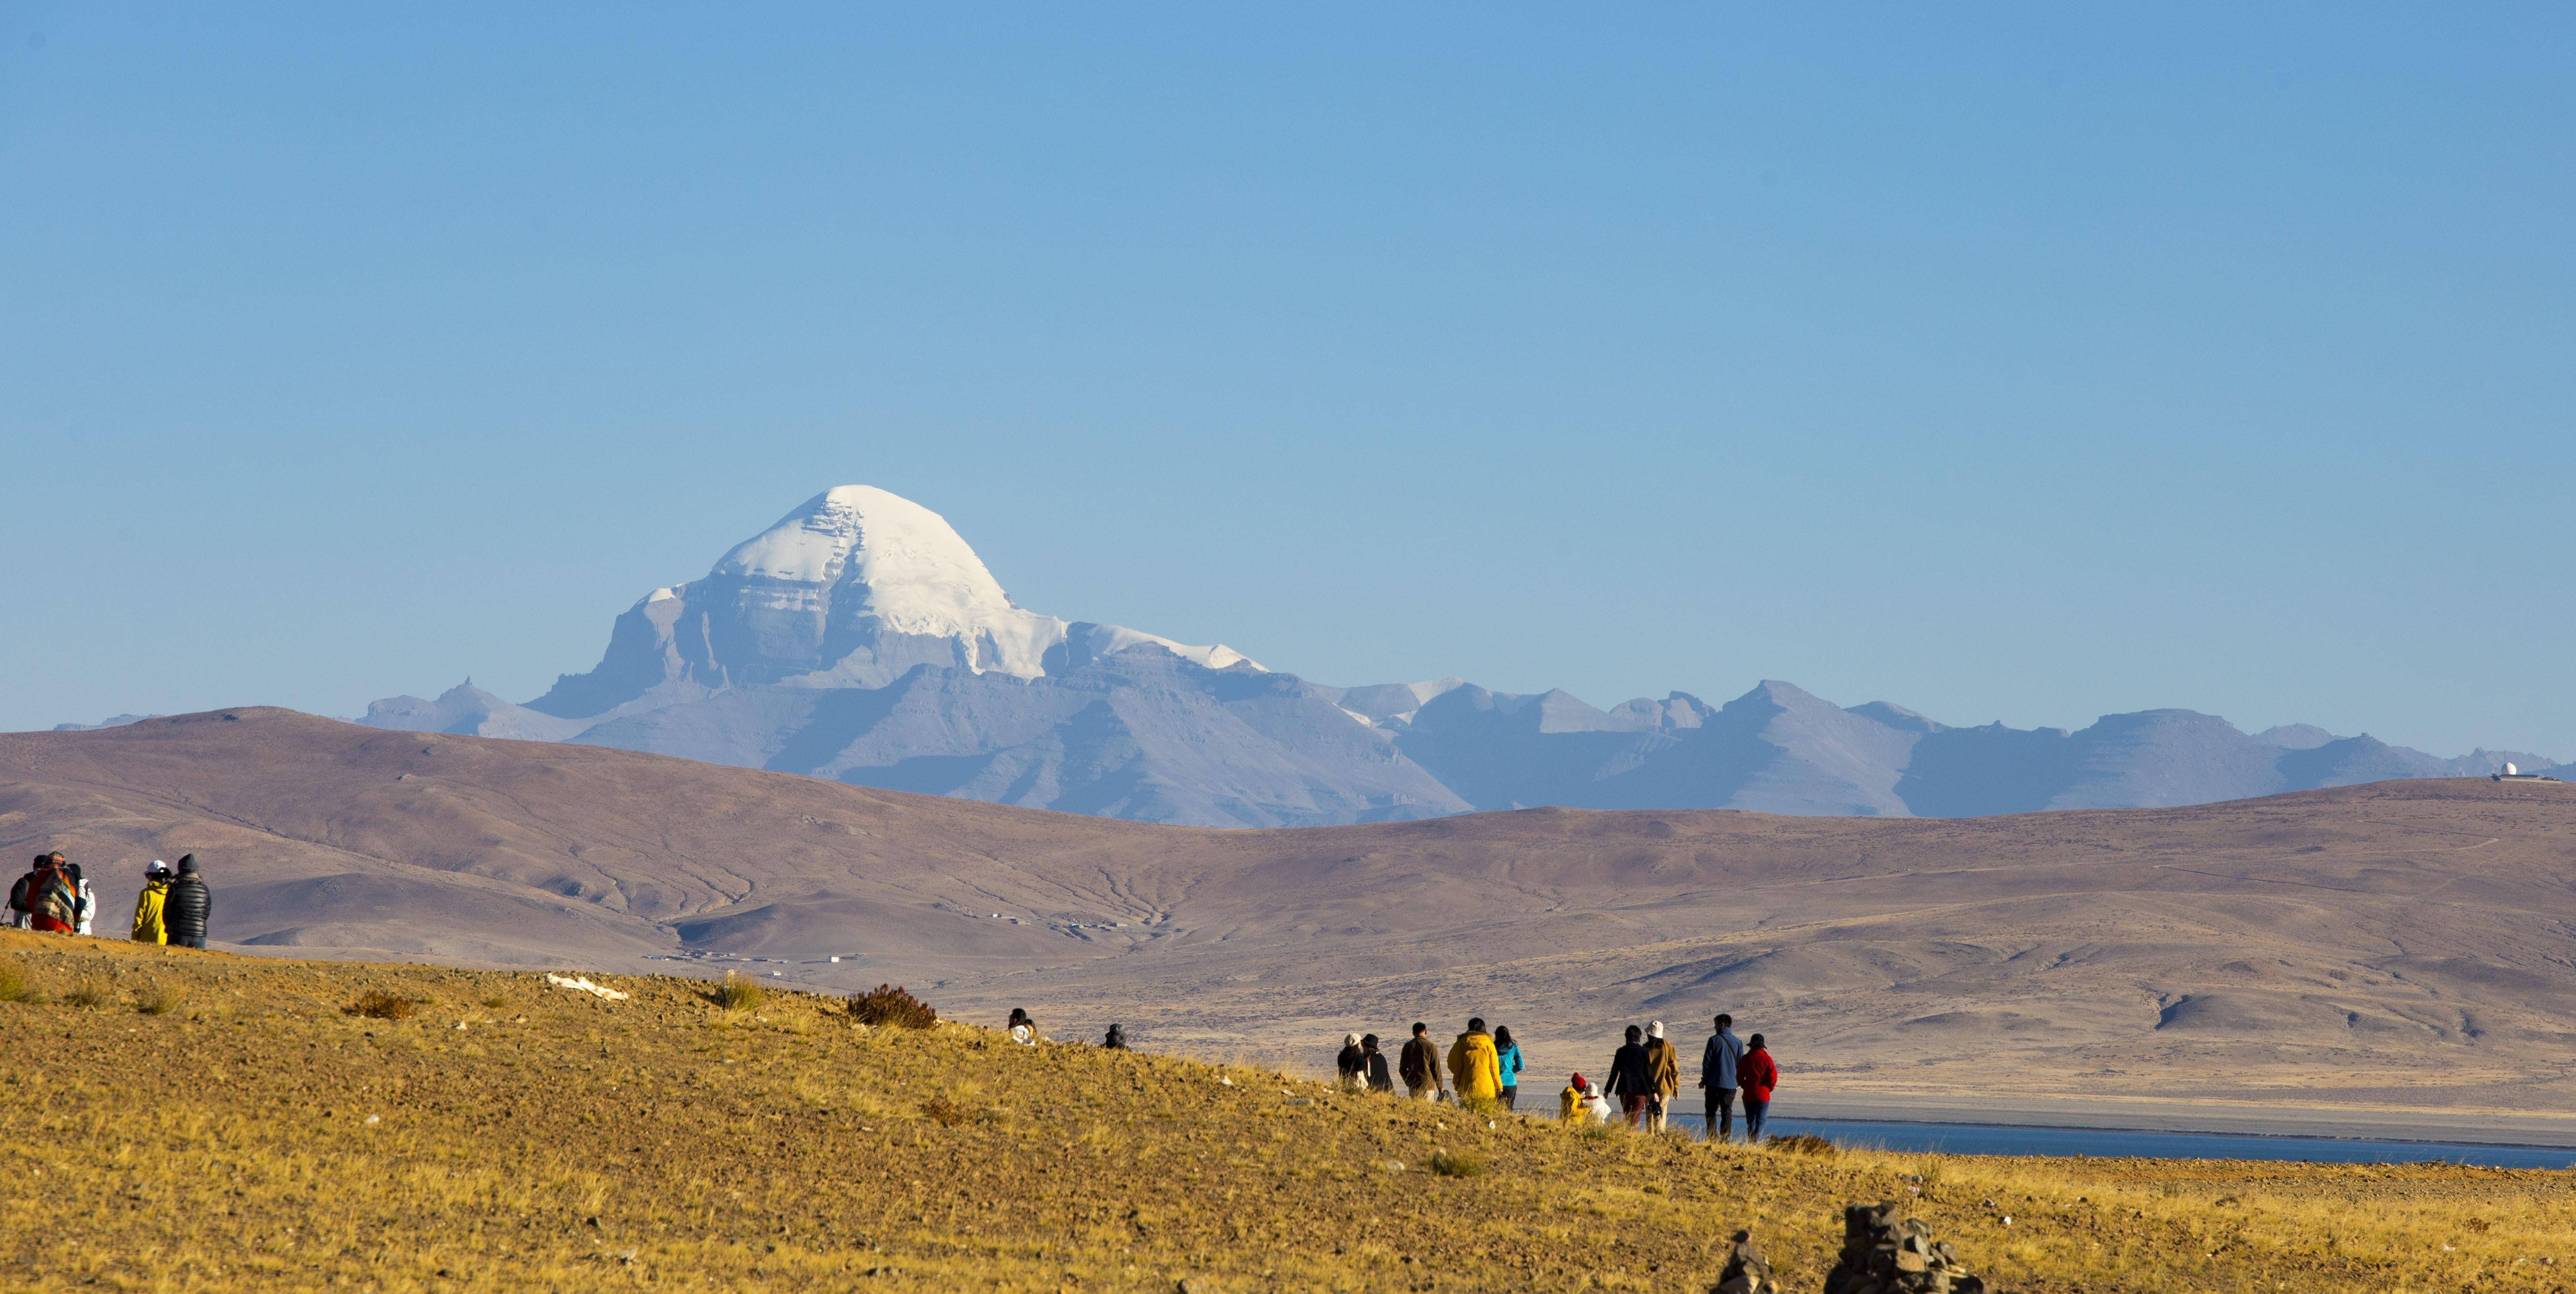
(1746, 1272)
(1884, 1256)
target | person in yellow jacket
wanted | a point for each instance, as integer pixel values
(1475, 1068)
(148, 928)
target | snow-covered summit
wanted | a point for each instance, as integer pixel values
(887, 559)
(850, 589)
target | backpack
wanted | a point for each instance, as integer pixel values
(51, 895)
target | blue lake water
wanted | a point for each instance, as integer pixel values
(2001, 1139)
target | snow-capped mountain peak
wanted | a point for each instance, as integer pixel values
(850, 589)
(897, 563)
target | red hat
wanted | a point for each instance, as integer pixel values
(1578, 1080)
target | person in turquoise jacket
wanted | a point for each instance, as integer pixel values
(1508, 1055)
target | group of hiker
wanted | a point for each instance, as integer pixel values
(173, 908)
(1645, 1075)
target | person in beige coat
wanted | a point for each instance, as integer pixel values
(1663, 1075)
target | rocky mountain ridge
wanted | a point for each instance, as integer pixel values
(860, 638)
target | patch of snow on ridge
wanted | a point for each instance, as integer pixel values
(1094, 641)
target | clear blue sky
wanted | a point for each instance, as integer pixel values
(2020, 362)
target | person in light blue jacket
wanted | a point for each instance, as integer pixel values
(1717, 1078)
(1508, 1054)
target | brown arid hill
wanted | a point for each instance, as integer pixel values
(2397, 958)
(200, 1121)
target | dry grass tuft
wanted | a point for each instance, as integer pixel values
(736, 993)
(161, 997)
(380, 1005)
(888, 1004)
(1454, 1164)
(13, 985)
(1804, 1144)
(946, 1113)
(88, 995)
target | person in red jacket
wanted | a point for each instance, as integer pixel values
(1756, 1074)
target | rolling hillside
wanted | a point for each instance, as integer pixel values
(2383, 948)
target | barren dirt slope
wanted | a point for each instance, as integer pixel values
(2396, 946)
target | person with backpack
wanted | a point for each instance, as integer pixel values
(1472, 1066)
(1117, 1039)
(1420, 1066)
(189, 906)
(1507, 1060)
(1717, 1077)
(148, 905)
(53, 898)
(1756, 1076)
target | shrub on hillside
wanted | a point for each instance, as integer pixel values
(13, 985)
(89, 995)
(161, 997)
(380, 1005)
(1450, 1164)
(736, 993)
(887, 1004)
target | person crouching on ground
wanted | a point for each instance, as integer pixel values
(1507, 1062)
(1350, 1069)
(1374, 1070)
(1473, 1070)
(148, 927)
(1631, 1078)
(1663, 1075)
(1024, 1030)
(190, 907)
(1420, 1065)
(1755, 1076)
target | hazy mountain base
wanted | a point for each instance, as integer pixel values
(255, 1135)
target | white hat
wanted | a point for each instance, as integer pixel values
(158, 868)
(1655, 1030)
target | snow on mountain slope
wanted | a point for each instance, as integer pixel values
(851, 589)
(879, 557)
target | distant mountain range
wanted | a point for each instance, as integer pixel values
(861, 639)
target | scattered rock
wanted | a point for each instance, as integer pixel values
(1882, 1255)
(1746, 1272)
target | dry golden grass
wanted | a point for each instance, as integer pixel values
(258, 1138)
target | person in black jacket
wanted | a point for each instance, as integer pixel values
(1375, 1065)
(189, 906)
(1632, 1077)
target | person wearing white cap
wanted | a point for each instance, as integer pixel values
(148, 925)
(1663, 1075)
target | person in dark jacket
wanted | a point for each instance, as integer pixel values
(1632, 1077)
(1756, 1075)
(21, 914)
(1717, 1077)
(1117, 1039)
(189, 907)
(1420, 1065)
(1378, 1079)
(1351, 1066)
